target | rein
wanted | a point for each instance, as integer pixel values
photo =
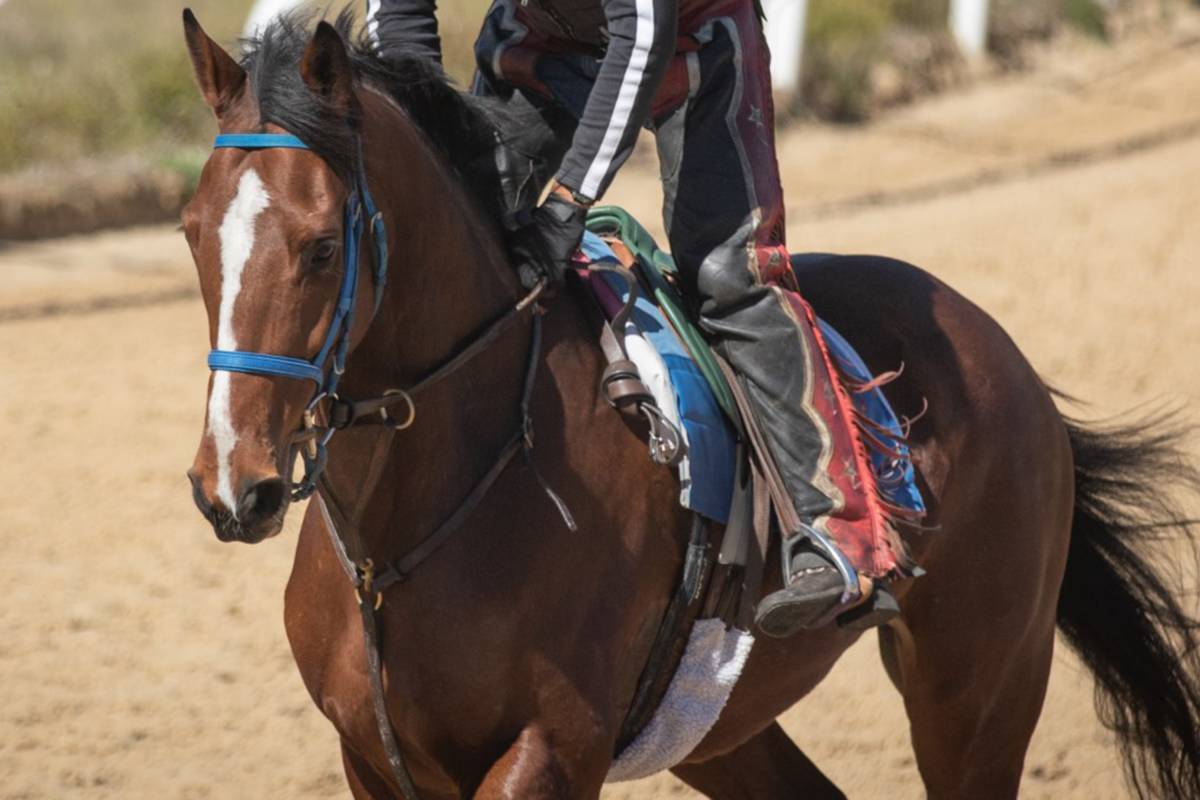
(370, 581)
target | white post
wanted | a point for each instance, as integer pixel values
(263, 12)
(785, 36)
(969, 23)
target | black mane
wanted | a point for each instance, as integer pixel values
(463, 128)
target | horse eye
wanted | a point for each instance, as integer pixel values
(323, 251)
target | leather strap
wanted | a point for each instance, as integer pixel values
(398, 570)
(480, 343)
(622, 383)
(676, 625)
(527, 427)
(387, 733)
(375, 411)
(789, 519)
(370, 583)
(623, 387)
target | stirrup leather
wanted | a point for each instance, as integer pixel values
(622, 383)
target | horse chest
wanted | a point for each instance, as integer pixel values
(431, 689)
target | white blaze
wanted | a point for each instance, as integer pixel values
(237, 242)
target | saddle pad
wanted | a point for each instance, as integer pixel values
(680, 391)
(710, 668)
(891, 460)
(893, 470)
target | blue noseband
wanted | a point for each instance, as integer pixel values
(326, 367)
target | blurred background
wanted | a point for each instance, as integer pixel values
(1043, 159)
(104, 96)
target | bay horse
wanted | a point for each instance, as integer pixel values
(512, 652)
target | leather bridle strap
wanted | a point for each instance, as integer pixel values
(344, 412)
(370, 582)
(387, 733)
(398, 570)
(361, 219)
(622, 383)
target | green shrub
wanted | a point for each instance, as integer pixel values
(93, 79)
(845, 40)
(187, 163)
(1086, 15)
(922, 14)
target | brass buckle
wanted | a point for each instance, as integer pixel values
(310, 429)
(313, 433)
(367, 568)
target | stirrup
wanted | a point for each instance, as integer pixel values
(798, 606)
(851, 590)
(876, 610)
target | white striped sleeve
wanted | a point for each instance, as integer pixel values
(642, 44)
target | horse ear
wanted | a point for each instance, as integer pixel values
(219, 77)
(326, 69)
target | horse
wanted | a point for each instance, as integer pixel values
(512, 651)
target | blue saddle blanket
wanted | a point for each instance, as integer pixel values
(707, 471)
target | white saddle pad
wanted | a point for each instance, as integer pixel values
(711, 666)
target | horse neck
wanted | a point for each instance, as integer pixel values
(447, 272)
(447, 280)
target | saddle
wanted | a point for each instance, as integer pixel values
(634, 283)
(662, 369)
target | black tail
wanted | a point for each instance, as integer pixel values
(1122, 607)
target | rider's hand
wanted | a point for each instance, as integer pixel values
(548, 244)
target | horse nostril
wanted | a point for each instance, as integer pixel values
(198, 495)
(261, 500)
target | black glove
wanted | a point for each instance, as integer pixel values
(545, 247)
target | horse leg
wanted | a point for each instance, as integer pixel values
(767, 765)
(970, 731)
(365, 783)
(532, 768)
(972, 650)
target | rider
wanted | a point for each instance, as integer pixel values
(589, 74)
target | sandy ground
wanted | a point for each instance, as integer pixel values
(140, 658)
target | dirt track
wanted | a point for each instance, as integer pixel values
(140, 658)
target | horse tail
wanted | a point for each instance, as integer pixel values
(1121, 607)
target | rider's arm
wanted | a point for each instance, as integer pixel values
(641, 46)
(405, 27)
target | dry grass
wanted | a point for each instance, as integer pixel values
(92, 80)
(80, 80)
(848, 40)
(83, 80)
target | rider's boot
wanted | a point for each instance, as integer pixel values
(815, 591)
(834, 559)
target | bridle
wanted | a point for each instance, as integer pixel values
(325, 370)
(343, 413)
(326, 367)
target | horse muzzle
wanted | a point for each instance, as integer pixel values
(259, 514)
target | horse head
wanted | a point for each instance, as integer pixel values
(267, 231)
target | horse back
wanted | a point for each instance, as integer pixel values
(963, 381)
(993, 465)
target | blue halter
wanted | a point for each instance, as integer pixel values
(337, 339)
